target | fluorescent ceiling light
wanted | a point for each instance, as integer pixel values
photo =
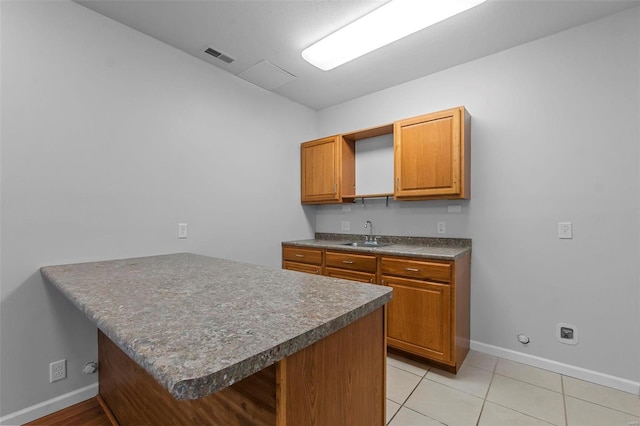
(388, 23)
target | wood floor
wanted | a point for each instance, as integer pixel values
(86, 413)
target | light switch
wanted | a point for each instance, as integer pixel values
(565, 230)
(182, 230)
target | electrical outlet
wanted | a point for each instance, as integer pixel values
(346, 225)
(442, 227)
(565, 230)
(567, 333)
(57, 370)
(182, 230)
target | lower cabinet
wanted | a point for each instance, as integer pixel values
(418, 318)
(351, 266)
(302, 260)
(427, 317)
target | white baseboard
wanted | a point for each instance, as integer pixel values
(51, 406)
(559, 367)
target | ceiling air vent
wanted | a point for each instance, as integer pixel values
(222, 56)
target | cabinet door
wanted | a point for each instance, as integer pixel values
(320, 170)
(419, 317)
(428, 156)
(327, 170)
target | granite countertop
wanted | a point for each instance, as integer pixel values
(198, 324)
(421, 247)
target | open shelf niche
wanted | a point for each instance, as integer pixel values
(373, 163)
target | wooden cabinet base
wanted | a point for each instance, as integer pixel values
(453, 369)
(337, 380)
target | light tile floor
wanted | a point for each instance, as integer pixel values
(492, 391)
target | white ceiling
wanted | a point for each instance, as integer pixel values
(277, 31)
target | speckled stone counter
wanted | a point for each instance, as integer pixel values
(199, 324)
(433, 248)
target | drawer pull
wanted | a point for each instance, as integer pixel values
(412, 269)
(349, 262)
(299, 255)
(371, 280)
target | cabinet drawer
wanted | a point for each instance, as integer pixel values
(363, 277)
(354, 262)
(302, 255)
(424, 270)
(302, 267)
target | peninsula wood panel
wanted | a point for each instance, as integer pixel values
(339, 380)
(135, 398)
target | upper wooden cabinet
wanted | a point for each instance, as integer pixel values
(327, 170)
(431, 155)
(431, 160)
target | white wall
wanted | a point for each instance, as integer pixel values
(555, 137)
(109, 139)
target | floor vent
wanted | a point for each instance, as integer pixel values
(222, 56)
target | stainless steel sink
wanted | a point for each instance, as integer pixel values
(367, 244)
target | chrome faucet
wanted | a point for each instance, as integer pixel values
(370, 225)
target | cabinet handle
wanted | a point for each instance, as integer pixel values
(383, 283)
(299, 255)
(348, 261)
(412, 269)
(371, 280)
(398, 183)
(317, 271)
(335, 188)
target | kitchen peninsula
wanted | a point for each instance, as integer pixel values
(189, 339)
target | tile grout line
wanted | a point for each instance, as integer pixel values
(486, 395)
(409, 396)
(494, 372)
(424, 415)
(603, 406)
(411, 393)
(524, 414)
(415, 374)
(564, 401)
(532, 384)
(495, 368)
